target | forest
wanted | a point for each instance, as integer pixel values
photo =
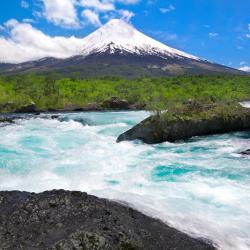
(54, 91)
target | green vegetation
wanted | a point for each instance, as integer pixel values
(190, 119)
(52, 91)
(196, 111)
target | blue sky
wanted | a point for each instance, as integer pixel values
(217, 30)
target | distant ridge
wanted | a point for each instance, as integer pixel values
(117, 48)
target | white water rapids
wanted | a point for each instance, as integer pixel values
(201, 187)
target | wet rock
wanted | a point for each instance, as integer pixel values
(246, 152)
(82, 120)
(61, 219)
(54, 117)
(7, 120)
(116, 104)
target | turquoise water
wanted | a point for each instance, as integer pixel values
(201, 187)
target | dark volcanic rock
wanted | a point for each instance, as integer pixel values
(157, 129)
(54, 116)
(74, 220)
(116, 103)
(246, 152)
(29, 108)
(6, 120)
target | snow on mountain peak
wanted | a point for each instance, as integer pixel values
(119, 35)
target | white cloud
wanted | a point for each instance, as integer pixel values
(245, 68)
(213, 34)
(95, 8)
(248, 35)
(37, 14)
(168, 9)
(64, 12)
(151, 2)
(170, 37)
(98, 5)
(11, 23)
(28, 20)
(92, 17)
(27, 43)
(126, 15)
(24, 42)
(127, 2)
(61, 12)
(242, 63)
(24, 4)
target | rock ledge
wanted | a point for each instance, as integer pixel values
(171, 126)
(61, 219)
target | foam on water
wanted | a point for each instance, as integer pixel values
(245, 104)
(201, 187)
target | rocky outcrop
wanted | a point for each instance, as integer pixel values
(88, 107)
(28, 108)
(137, 106)
(63, 220)
(157, 129)
(246, 152)
(6, 120)
(92, 107)
(115, 103)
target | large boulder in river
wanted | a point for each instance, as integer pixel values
(180, 125)
(116, 104)
(63, 220)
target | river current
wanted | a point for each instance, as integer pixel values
(201, 187)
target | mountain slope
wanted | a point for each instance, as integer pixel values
(118, 35)
(118, 48)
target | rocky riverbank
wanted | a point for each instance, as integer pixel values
(6, 120)
(112, 103)
(61, 219)
(191, 119)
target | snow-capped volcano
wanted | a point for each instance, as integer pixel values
(118, 49)
(117, 35)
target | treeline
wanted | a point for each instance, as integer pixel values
(52, 91)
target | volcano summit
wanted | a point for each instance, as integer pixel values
(117, 48)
